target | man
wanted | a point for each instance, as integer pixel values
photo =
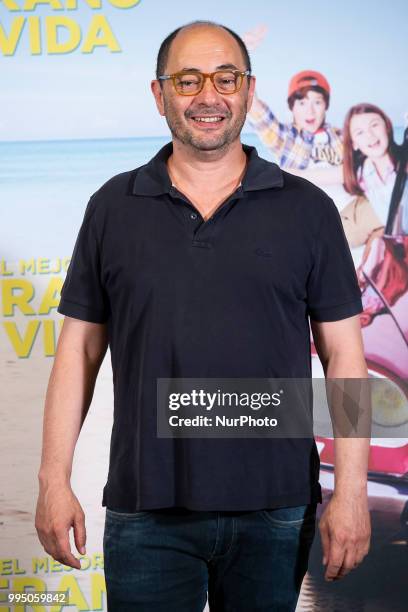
(201, 263)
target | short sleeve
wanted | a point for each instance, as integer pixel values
(333, 292)
(82, 294)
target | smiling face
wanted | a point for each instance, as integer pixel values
(309, 113)
(369, 134)
(209, 120)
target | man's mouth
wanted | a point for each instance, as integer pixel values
(207, 118)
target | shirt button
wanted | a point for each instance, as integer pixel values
(193, 215)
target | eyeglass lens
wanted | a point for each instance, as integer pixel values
(224, 82)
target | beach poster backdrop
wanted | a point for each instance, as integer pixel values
(76, 109)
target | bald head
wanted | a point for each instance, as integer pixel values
(192, 34)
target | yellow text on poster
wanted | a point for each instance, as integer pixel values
(30, 292)
(84, 596)
(58, 34)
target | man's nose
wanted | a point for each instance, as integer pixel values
(208, 93)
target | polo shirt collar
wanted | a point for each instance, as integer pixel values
(153, 179)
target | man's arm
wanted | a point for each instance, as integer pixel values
(345, 524)
(80, 352)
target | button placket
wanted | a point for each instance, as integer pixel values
(203, 230)
(205, 234)
(190, 214)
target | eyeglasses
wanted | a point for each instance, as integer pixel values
(191, 83)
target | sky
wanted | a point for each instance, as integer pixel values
(360, 47)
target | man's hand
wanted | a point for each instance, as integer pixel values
(345, 531)
(57, 511)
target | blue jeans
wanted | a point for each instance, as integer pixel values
(167, 560)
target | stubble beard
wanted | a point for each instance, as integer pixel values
(207, 141)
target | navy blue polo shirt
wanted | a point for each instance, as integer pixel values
(229, 297)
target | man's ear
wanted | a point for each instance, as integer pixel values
(158, 95)
(251, 92)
